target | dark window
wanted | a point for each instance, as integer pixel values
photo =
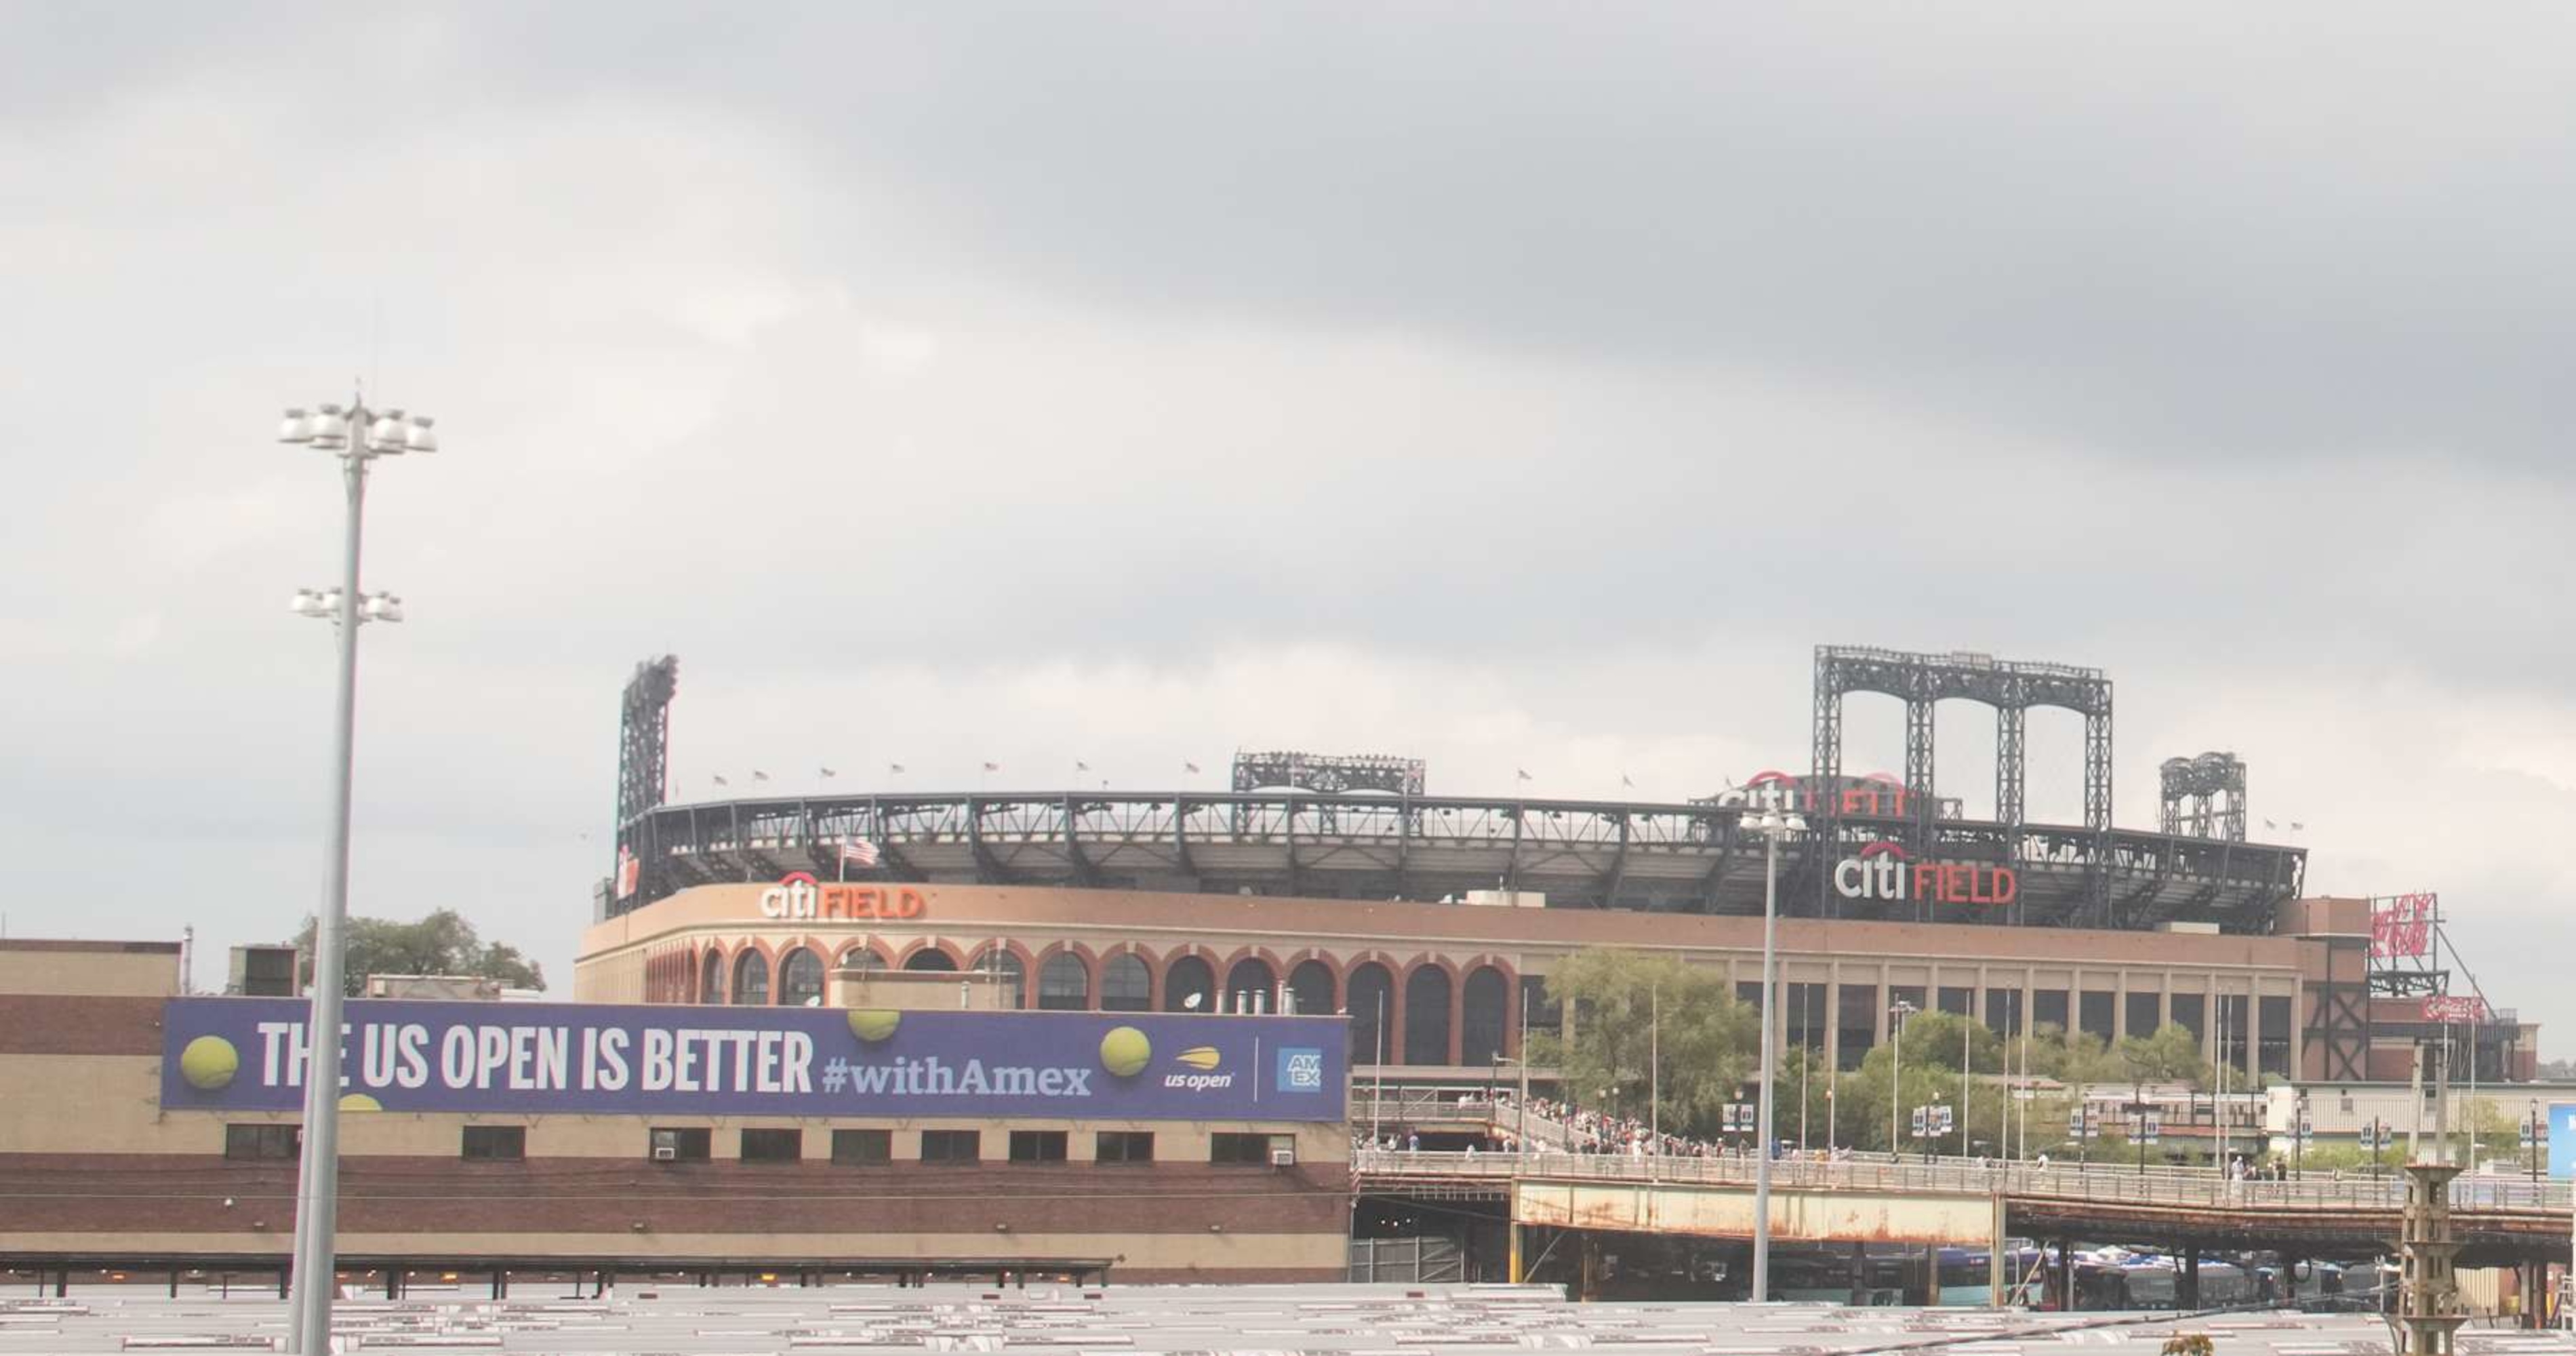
(1037, 1146)
(800, 978)
(1125, 1146)
(1126, 985)
(862, 1146)
(1370, 1004)
(932, 960)
(1249, 986)
(682, 1144)
(1859, 1022)
(711, 978)
(1310, 987)
(2143, 1018)
(2191, 1013)
(1063, 984)
(1426, 1016)
(1545, 1013)
(772, 1146)
(1242, 1149)
(1957, 1000)
(863, 959)
(1802, 1015)
(951, 1146)
(496, 1143)
(1486, 1016)
(1189, 985)
(2003, 1012)
(2272, 1044)
(1007, 971)
(261, 1141)
(750, 979)
(2048, 1008)
(2093, 1013)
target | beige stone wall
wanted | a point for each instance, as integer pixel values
(137, 970)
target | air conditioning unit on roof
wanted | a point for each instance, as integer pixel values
(1283, 1157)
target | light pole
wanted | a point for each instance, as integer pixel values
(1771, 826)
(1895, 1064)
(356, 436)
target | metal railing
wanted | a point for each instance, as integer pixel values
(2105, 1182)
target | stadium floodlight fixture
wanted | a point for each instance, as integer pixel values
(356, 435)
(1770, 824)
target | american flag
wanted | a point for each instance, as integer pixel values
(830, 773)
(1524, 773)
(859, 852)
(1192, 768)
(720, 780)
(1081, 766)
(895, 768)
(759, 776)
(992, 767)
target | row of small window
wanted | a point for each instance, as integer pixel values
(696, 1144)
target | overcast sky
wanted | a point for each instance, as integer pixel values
(1515, 387)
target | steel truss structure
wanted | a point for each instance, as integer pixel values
(644, 756)
(1329, 773)
(2205, 796)
(2012, 688)
(1587, 854)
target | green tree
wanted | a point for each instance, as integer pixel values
(1929, 1075)
(1646, 1020)
(441, 944)
(2172, 1055)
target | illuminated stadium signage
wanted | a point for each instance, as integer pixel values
(247, 1054)
(800, 896)
(1883, 871)
(1876, 794)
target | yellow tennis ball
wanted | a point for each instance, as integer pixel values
(209, 1062)
(874, 1024)
(359, 1101)
(1125, 1051)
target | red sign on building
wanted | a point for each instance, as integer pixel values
(2402, 925)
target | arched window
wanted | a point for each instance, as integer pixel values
(1126, 985)
(1189, 985)
(1372, 1005)
(930, 960)
(1486, 1017)
(711, 977)
(1004, 965)
(1426, 1016)
(1063, 984)
(800, 978)
(863, 959)
(1312, 983)
(1248, 986)
(750, 978)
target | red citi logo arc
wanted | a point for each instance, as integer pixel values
(1884, 871)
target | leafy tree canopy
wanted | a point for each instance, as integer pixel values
(1646, 1020)
(441, 944)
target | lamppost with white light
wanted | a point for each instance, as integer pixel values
(1771, 826)
(356, 436)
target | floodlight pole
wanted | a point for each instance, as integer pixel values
(317, 1206)
(356, 439)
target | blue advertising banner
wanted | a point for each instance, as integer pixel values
(247, 1054)
(2562, 1139)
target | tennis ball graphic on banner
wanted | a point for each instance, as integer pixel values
(1125, 1051)
(209, 1062)
(873, 1024)
(359, 1101)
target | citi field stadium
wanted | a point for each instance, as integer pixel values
(1348, 884)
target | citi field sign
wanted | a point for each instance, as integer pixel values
(797, 895)
(1884, 871)
(247, 1054)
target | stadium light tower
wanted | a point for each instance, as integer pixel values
(1771, 826)
(356, 436)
